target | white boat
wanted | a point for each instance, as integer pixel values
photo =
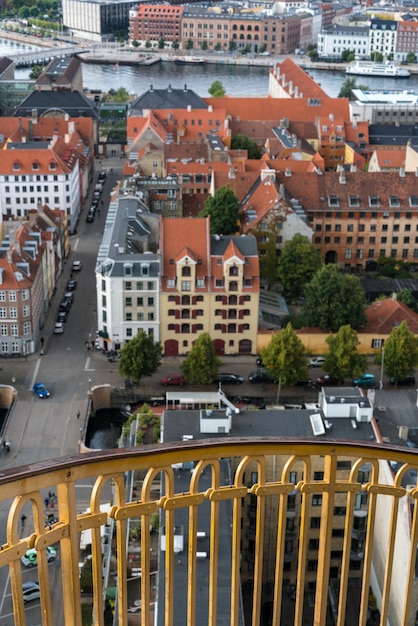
(370, 68)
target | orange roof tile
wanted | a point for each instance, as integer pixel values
(385, 315)
(291, 76)
(180, 233)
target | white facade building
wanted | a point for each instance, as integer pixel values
(383, 35)
(128, 274)
(333, 42)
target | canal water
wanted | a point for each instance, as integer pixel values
(237, 80)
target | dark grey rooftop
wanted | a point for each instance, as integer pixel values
(390, 134)
(246, 245)
(72, 102)
(166, 99)
(294, 423)
(27, 145)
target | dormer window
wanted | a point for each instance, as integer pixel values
(374, 201)
(52, 165)
(16, 166)
(233, 271)
(394, 201)
(127, 269)
(354, 201)
(145, 270)
(333, 201)
(35, 166)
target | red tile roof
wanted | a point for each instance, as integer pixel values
(385, 315)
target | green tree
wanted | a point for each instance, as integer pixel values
(200, 366)
(232, 46)
(135, 43)
(285, 357)
(242, 142)
(299, 262)
(262, 48)
(223, 210)
(189, 44)
(410, 57)
(400, 352)
(148, 44)
(121, 95)
(204, 45)
(35, 72)
(217, 89)
(348, 85)
(407, 297)
(161, 43)
(333, 299)
(140, 357)
(246, 49)
(218, 46)
(346, 53)
(175, 45)
(343, 360)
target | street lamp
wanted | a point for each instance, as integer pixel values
(89, 384)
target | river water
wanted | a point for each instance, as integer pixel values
(237, 80)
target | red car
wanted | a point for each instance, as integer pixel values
(173, 380)
(327, 381)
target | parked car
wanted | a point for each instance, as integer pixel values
(30, 591)
(90, 217)
(260, 376)
(76, 266)
(69, 296)
(64, 306)
(366, 380)
(30, 558)
(41, 390)
(62, 315)
(327, 381)
(102, 176)
(59, 328)
(407, 381)
(173, 380)
(229, 378)
(316, 361)
(71, 285)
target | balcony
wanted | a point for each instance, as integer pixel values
(204, 572)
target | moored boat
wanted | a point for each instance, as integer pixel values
(389, 69)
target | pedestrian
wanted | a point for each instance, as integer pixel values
(78, 414)
(46, 502)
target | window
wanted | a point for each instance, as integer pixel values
(343, 465)
(333, 201)
(128, 301)
(315, 522)
(186, 285)
(128, 317)
(394, 201)
(150, 301)
(26, 311)
(354, 201)
(13, 311)
(12, 296)
(374, 201)
(129, 332)
(3, 330)
(317, 499)
(128, 285)
(14, 330)
(139, 301)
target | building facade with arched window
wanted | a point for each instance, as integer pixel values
(209, 283)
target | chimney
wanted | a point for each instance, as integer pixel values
(185, 87)
(342, 177)
(151, 88)
(169, 89)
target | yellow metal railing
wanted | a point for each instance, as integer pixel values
(267, 530)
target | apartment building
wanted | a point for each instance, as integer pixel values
(128, 274)
(209, 283)
(31, 261)
(216, 28)
(407, 39)
(358, 217)
(44, 161)
(383, 37)
(150, 22)
(339, 38)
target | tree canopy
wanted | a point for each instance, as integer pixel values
(334, 299)
(348, 85)
(217, 89)
(407, 297)
(140, 357)
(200, 366)
(285, 357)
(343, 360)
(242, 142)
(299, 262)
(400, 352)
(223, 210)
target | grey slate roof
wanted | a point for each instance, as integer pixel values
(390, 134)
(246, 245)
(166, 99)
(72, 102)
